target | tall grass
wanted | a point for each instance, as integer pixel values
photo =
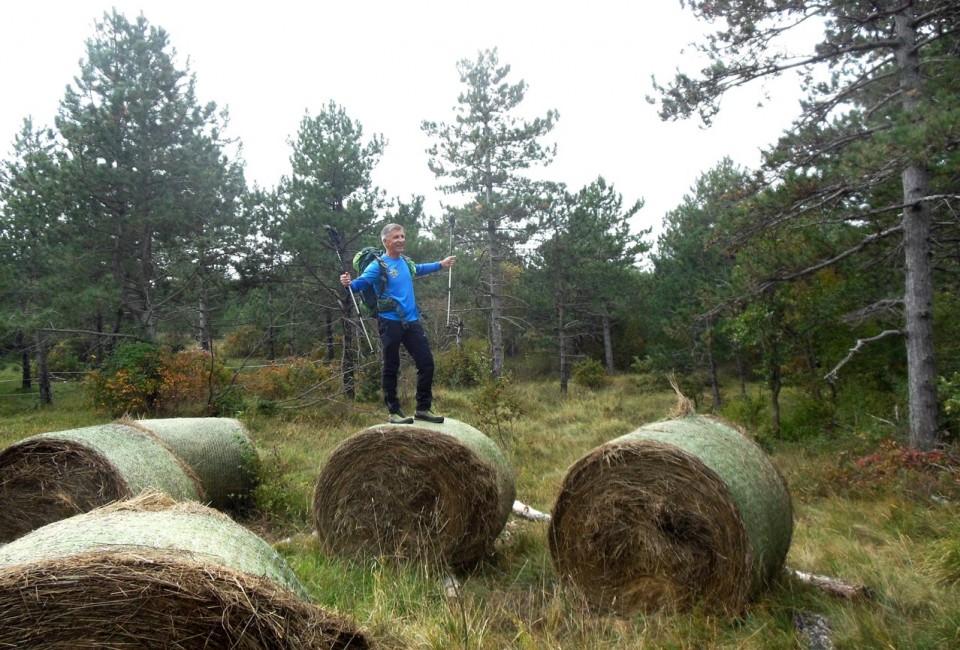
(896, 533)
(22, 415)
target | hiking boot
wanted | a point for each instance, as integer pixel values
(397, 417)
(428, 416)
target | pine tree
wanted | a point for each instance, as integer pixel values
(146, 167)
(874, 116)
(481, 156)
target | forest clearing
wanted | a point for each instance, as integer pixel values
(865, 514)
(738, 431)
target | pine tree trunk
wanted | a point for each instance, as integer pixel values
(776, 384)
(294, 343)
(562, 341)
(712, 366)
(741, 372)
(496, 300)
(271, 328)
(142, 304)
(204, 325)
(26, 381)
(918, 294)
(608, 341)
(43, 371)
(99, 351)
(349, 349)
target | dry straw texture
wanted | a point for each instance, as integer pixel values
(676, 512)
(414, 492)
(153, 574)
(51, 476)
(218, 450)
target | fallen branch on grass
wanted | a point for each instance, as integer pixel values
(523, 511)
(832, 586)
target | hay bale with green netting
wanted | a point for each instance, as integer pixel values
(218, 450)
(55, 475)
(151, 573)
(677, 512)
(420, 492)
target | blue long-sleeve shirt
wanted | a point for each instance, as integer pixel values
(399, 284)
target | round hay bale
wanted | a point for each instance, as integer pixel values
(157, 575)
(673, 513)
(55, 475)
(220, 452)
(420, 492)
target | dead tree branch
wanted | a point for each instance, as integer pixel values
(832, 375)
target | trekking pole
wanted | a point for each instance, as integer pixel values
(453, 221)
(337, 241)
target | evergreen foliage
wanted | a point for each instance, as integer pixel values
(130, 220)
(482, 157)
(864, 154)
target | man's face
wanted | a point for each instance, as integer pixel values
(395, 242)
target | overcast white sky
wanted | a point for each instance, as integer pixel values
(391, 64)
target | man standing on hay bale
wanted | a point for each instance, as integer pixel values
(398, 320)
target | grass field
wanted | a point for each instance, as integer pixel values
(864, 512)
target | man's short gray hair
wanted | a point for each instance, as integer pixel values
(389, 228)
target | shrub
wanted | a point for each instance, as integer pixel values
(63, 358)
(892, 466)
(948, 389)
(750, 412)
(293, 377)
(465, 366)
(141, 379)
(497, 406)
(190, 378)
(281, 502)
(590, 373)
(130, 381)
(647, 376)
(243, 342)
(809, 415)
(368, 380)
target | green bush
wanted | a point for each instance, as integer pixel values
(464, 367)
(141, 379)
(281, 501)
(228, 402)
(949, 392)
(751, 413)
(809, 415)
(497, 406)
(591, 374)
(129, 383)
(368, 380)
(647, 376)
(63, 358)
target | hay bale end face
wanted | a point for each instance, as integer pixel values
(421, 492)
(152, 573)
(55, 475)
(677, 512)
(218, 450)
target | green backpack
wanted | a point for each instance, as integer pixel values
(371, 301)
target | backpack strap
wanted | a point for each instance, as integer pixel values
(411, 264)
(383, 275)
(389, 304)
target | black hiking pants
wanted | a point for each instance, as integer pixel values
(393, 334)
